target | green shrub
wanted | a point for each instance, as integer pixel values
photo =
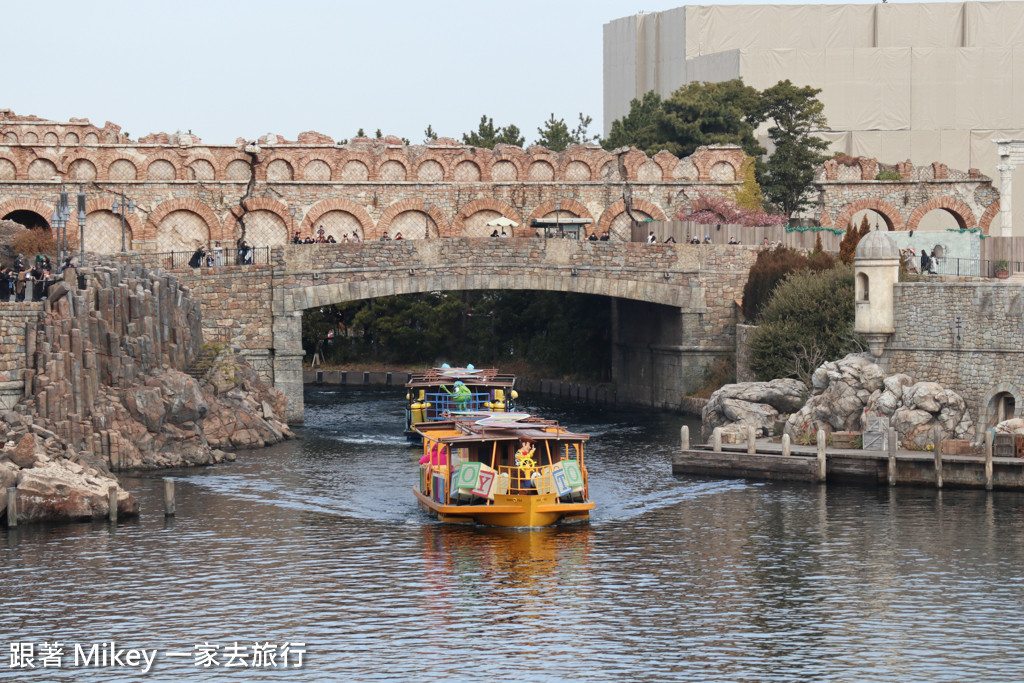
(808, 320)
(770, 268)
(888, 175)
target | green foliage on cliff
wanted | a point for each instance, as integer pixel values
(555, 333)
(807, 321)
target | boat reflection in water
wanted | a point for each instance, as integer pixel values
(525, 571)
(502, 469)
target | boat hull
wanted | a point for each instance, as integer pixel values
(509, 511)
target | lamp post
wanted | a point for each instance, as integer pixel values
(121, 209)
(59, 221)
(558, 225)
(81, 225)
(426, 226)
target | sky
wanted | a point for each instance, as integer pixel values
(226, 69)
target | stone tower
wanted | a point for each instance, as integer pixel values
(876, 268)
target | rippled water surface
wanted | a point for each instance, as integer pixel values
(320, 542)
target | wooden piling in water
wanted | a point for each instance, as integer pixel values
(938, 465)
(892, 456)
(716, 440)
(12, 506)
(112, 503)
(822, 467)
(751, 440)
(787, 447)
(988, 460)
(684, 438)
(169, 496)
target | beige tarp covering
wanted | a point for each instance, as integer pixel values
(728, 27)
(925, 81)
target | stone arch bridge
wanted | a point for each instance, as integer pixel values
(672, 310)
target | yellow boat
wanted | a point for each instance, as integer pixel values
(502, 469)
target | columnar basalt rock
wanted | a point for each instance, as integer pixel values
(117, 379)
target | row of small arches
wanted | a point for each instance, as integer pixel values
(352, 170)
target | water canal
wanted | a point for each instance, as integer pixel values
(319, 542)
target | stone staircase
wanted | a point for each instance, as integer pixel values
(200, 367)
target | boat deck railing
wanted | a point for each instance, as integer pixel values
(441, 403)
(513, 480)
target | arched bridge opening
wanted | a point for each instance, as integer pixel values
(671, 309)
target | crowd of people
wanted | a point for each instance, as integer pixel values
(22, 283)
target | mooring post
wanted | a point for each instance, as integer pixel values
(684, 438)
(786, 446)
(716, 440)
(938, 464)
(112, 503)
(12, 506)
(891, 443)
(822, 471)
(751, 440)
(988, 459)
(168, 497)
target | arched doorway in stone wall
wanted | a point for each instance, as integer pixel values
(102, 233)
(940, 220)
(181, 230)
(30, 219)
(876, 220)
(339, 224)
(412, 224)
(264, 229)
(621, 228)
(475, 224)
(1001, 406)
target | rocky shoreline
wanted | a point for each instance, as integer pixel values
(118, 379)
(842, 395)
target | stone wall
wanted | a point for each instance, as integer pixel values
(967, 336)
(688, 290)
(16, 319)
(847, 188)
(189, 192)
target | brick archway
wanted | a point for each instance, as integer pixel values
(569, 158)
(346, 205)
(303, 163)
(34, 205)
(196, 207)
(891, 215)
(172, 159)
(961, 212)
(255, 204)
(570, 205)
(221, 170)
(488, 204)
(186, 167)
(444, 229)
(985, 222)
(619, 207)
(104, 204)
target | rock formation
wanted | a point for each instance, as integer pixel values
(107, 389)
(844, 391)
(735, 406)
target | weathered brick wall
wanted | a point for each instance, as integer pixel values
(968, 336)
(189, 192)
(847, 189)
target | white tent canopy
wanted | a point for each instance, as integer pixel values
(502, 222)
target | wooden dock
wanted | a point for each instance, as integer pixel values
(765, 459)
